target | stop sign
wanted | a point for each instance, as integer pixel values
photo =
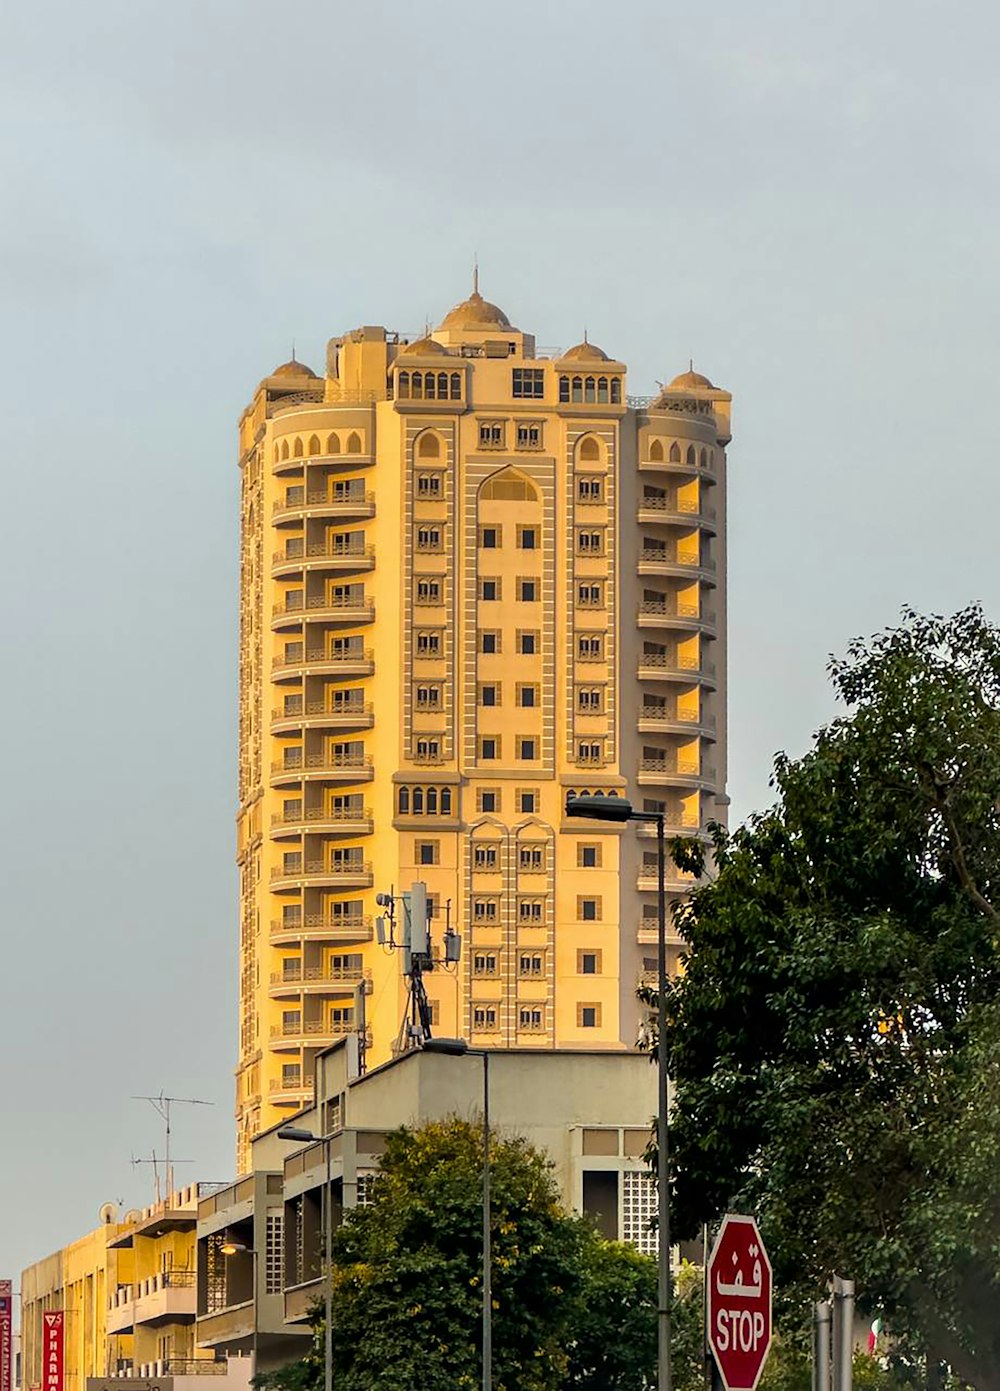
(738, 1311)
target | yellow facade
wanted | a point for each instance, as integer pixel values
(473, 579)
(75, 1279)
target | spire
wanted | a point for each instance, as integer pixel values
(294, 359)
(475, 274)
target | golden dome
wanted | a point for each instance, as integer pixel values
(475, 312)
(293, 369)
(421, 347)
(691, 380)
(585, 352)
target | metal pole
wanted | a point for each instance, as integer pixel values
(663, 1378)
(327, 1275)
(487, 1248)
(822, 1317)
(843, 1334)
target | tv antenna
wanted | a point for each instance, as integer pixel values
(156, 1162)
(161, 1105)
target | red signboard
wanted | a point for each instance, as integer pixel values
(6, 1334)
(52, 1351)
(739, 1303)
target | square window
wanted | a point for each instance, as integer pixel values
(527, 643)
(527, 591)
(489, 695)
(489, 642)
(489, 748)
(588, 1016)
(528, 383)
(588, 856)
(428, 852)
(526, 749)
(488, 799)
(527, 697)
(527, 801)
(588, 963)
(588, 910)
(489, 537)
(489, 590)
(527, 538)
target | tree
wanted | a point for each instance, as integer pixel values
(571, 1312)
(835, 1036)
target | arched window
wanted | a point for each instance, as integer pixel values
(418, 386)
(690, 456)
(675, 453)
(577, 388)
(703, 459)
(297, 451)
(314, 444)
(284, 449)
(333, 444)
(442, 386)
(456, 386)
(404, 800)
(429, 382)
(590, 450)
(277, 454)
(354, 443)
(616, 391)
(429, 446)
(418, 801)
(404, 386)
(446, 801)
(432, 801)
(508, 486)
(602, 389)
(656, 451)
(588, 389)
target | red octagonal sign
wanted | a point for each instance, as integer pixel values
(739, 1303)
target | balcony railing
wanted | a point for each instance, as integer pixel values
(359, 610)
(672, 555)
(682, 506)
(317, 869)
(679, 767)
(308, 1028)
(357, 712)
(295, 552)
(318, 656)
(322, 763)
(355, 504)
(666, 715)
(665, 661)
(333, 815)
(357, 928)
(299, 975)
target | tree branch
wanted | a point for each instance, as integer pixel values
(965, 878)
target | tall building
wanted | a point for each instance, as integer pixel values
(474, 577)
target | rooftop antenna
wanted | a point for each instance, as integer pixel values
(154, 1159)
(161, 1105)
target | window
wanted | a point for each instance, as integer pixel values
(490, 537)
(590, 489)
(527, 800)
(588, 856)
(485, 910)
(491, 434)
(428, 751)
(489, 590)
(616, 391)
(590, 595)
(429, 485)
(527, 749)
(489, 694)
(429, 643)
(529, 435)
(423, 801)
(484, 1018)
(563, 390)
(588, 1016)
(489, 748)
(590, 699)
(429, 697)
(485, 964)
(527, 538)
(527, 591)
(429, 538)
(590, 751)
(531, 858)
(590, 542)
(588, 963)
(528, 383)
(486, 856)
(488, 799)
(527, 696)
(489, 642)
(527, 643)
(531, 911)
(588, 910)
(430, 590)
(531, 1019)
(531, 965)
(590, 647)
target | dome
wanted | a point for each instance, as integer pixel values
(293, 369)
(691, 380)
(475, 312)
(585, 352)
(423, 347)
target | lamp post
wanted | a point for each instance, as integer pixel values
(618, 809)
(458, 1048)
(293, 1132)
(232, 1246)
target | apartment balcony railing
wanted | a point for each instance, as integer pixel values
(314, 927)
(359, 504)
(651, 716)
(665, 509)
(321, 608)
(346, 715)
(670, 769)
(309, 1030)
(694, 469)
(345, 768)
(296, 557)
(354, 874)
(651, 612)
(299, 974)
(652, 559)
(658, 665)
(300, 1086)
(359, 663)
(356, 820)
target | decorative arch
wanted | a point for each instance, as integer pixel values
(277, 451)
(508, 485)
(703, 457)
(333, 444)
(314, 444)
(429, 445)
(656, 451)
(353, 443)
(589, 451)
(284, 449)
(297, 451)
(691, 458)
(675, 453)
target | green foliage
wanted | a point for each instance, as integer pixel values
(835, 1038)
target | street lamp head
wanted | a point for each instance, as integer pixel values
(232, 1247)
(599, 808)
(294, 1132)
(454, 1047)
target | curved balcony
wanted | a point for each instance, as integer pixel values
(315, 928)
(665, 511)
(675, 614)
(677, 883)
(316, 661)
(334, 821)
(314, 714)
(355, 506)
(687, 772)
(339, 460)
(662, 666)
(680, 466)
(318, 874)
(310, 1033)
(316, 980)
(346, 560)
(320, 609)
(659, 719)
(297, 1092)
(672, 561)
(320, 767)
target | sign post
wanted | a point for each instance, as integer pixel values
(6, 1334)
(52, 1351)
(738, 1307)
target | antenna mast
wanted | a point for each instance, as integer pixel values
(161, 1105)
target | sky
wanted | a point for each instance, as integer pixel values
(802, 197)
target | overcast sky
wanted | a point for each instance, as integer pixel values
(800, 196)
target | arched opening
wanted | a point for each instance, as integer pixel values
(277, 454)
(417, 382)
(675, 453)
(602, 389)
(403, 801)
(563, 390)
(703, 458)
(297, 451)
(508, 486)
(442, 386)
(403, 386)
(429, 383)
(656, 451)
(284, 449)
(314, 447)
(577, 389)
(616, 391)
(456, 386)
(432, 801)
(354, 443)
(429, 446)
(333, 444)
(589, 450)
(691, 459)
(446, 801)
(589, 391)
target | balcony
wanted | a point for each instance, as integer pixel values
(677, 883)
(665, 561)
(686, 771)
(692, 469)
(322, 767)
(313, 927)
(315, 714)
(357, 874)
(680, 511)
(666, 666)
(316, 661)
(344, 559)
(320, 608)
(339, 821)
(674, 614)
(664, 719)
(309, 1033)
(298, 979)
(354, 506)
(168, 1297)
(297, 1091)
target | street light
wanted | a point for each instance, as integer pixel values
(232, 1246)
(294, 1132)
(458, 1048)
(618, 809)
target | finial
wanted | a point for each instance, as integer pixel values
(293, 349)
(585, 338)
(690, 364)
(475, 274)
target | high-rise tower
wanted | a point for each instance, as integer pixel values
(473, 578)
